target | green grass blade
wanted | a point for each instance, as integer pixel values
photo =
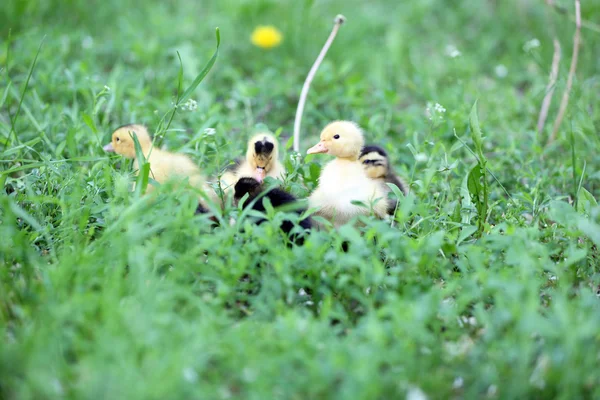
(16, 116)
(475, 129)
(144, 167)
(203, 73)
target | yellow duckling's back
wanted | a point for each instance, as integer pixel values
(164, 165)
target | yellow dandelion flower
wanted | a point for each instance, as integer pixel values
(266, 37)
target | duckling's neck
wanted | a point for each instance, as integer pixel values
(147, 148)
(349, 158)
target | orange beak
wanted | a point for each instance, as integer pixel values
(109, 147)
(318, 148)
(260, 174)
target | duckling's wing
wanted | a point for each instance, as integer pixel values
(396, 180)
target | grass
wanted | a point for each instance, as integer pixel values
(108, 294)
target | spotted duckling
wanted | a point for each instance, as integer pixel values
(261, 161)
(377, 165)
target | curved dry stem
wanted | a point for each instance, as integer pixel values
(565, 99)
(550, 87)
(337, 22)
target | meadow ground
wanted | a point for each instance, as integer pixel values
(105, 295)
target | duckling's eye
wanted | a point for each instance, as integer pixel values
(336, 136)
(118, 139)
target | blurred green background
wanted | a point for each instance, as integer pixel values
(389, 57)
(105, 296)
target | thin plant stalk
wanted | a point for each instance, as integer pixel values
(550, 87)
(337, 22)
(13, 119)
(565, 99)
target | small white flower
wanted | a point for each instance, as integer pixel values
(249, 375)
(531, 44)
(301, 325)
(106, 88)
(435, 111)
(438, 108)
(458, 383)
(57, 386)
(190, 375)
(224, 392)
(231, 104)
(190, 105)
(421, 157)
(295, 156)
(210, 131)
(415, 393)
(87, 42)
(452, 51)
(501, 71)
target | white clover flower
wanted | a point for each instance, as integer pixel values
(231, 104)
(295, 156)
(415, 393)
(492, 390)
(87, 42)
(421, 157)
(210, 131)
(458, 383)
(435, 112)
(531, 44)
(452, 51)
(249, 374)
(501, 71)
(57, 386)
(190, 105)
(190, 375)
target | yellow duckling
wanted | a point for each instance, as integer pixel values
(261, 161)
(377, 165)
(163, 164)
(344, 179)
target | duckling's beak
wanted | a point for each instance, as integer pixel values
(318, 148)
(109, 147)
(260, 174)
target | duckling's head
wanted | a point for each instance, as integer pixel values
(122, 143)
(262, 154)
(343, 139)
(246, 185)
(375, 161)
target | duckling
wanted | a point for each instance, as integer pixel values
(163, 165)
(261, 161)
(276, 196)
(377, 164)
(344, 179)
